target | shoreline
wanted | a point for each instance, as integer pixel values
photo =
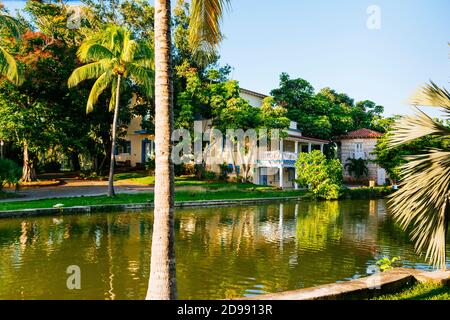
(137, 206)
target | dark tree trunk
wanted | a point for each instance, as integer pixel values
(75, 160)
(28, 170)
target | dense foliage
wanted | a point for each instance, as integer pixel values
(392, 158)
(322, 176)
(326, 114)
(357, 167)
(10, 173)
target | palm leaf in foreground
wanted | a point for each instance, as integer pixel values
(8, 65)
(422, 203)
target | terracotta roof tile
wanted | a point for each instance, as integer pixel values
(361, 134)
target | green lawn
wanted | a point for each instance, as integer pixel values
(421, 292)
(180, 195)
(145, 179)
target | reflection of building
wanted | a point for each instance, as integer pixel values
(360, 144)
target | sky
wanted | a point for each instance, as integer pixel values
(330, 44)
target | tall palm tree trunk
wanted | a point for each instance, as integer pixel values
(162, 282)
(111, 192)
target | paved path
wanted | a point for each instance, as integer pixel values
(76, 188)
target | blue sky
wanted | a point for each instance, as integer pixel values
(328, 43)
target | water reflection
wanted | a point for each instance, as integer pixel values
(221, 252)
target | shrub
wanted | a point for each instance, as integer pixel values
(10, 173)
(322, 176)
(357, 167)
(150, 164)
(184, 169)
(386, 264)
(368, 193)
(50, 166)
(199, 171)
(209, 175)
(225, 170)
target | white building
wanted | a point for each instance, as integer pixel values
(360, 144)
(274, 167)
(277, 167)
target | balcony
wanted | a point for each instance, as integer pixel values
(272, 158)
(359, 155)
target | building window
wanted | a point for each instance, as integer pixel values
(123, 147)
(359, 153)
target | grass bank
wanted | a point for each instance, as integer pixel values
(420, 291)
(363, 193)
(144, 179)
(180, 195)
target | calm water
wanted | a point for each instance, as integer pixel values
(221, 252)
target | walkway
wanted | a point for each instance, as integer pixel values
(76, 188)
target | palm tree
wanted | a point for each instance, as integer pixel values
(357, 167)
(8, 65)
(111, 56)
(423, 201)
(204, 34)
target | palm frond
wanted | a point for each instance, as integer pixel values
(204, 24)
(422, 202)
(97, 89)
(88, 52)
(9, 67)
(12, 24)
(88, 71)
(142, 76)
(129, 49)
(432, 95)
(112, 101)
(409, 128)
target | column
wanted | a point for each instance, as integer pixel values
(321, 148)
(309, 147)
(281, 150)
(295, 168)
(281, 176)
(296, 177)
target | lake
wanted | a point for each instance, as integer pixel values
(222, 252)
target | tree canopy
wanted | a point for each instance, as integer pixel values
(326, 114)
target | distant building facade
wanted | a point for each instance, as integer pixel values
(274, 167)
(360, 144)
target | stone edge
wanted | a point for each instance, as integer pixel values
(134, 206)
(388, 282)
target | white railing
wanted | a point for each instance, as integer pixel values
(277, 155)
(359, 155)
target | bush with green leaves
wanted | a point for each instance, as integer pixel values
(386, 264)
(10, 173)
(322, 176)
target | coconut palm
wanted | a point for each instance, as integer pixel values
(422, 203)
(204, 33)
(8, 65)
(111, 56)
